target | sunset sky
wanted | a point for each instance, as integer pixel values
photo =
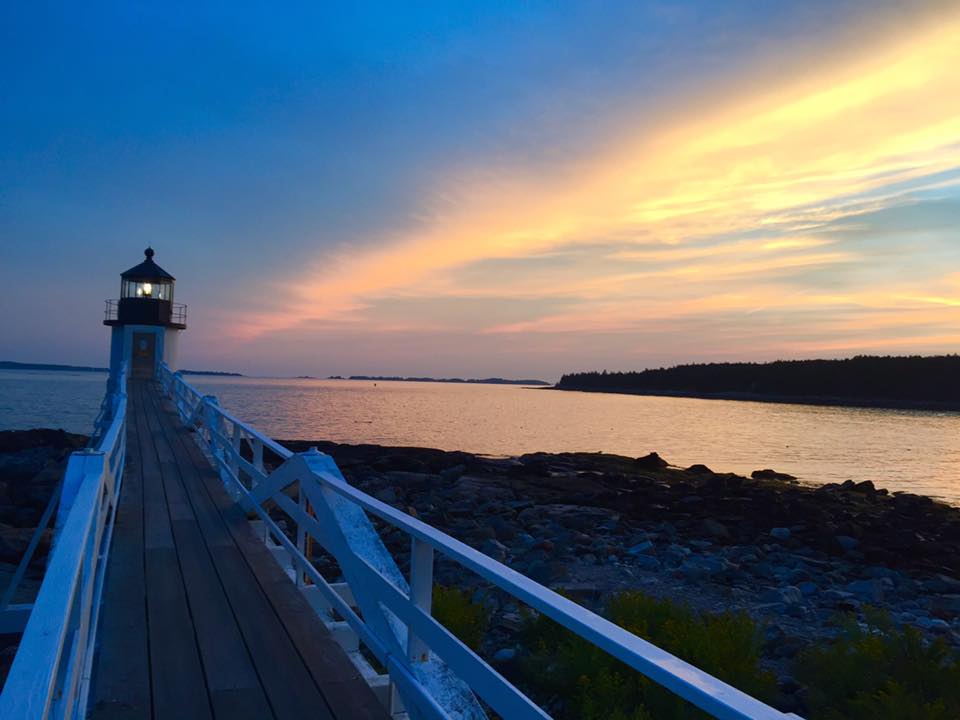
(476, 189)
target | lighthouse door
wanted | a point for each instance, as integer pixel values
(144, 353)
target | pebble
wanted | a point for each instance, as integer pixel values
(780, 533)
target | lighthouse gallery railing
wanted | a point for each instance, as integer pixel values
(436, 675)
(50, 674)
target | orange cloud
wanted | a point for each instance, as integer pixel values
(785, 159)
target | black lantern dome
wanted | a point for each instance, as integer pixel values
(146, 297)
(147, 280)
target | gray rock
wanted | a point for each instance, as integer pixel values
(510, 621)
(529, 516)
(642, 547)
(526, 540)
(792, 595)
(763, 569)
(716, 528)
(942, 584)
(771, 595)
(452, 473)
(546, 572)
(483, 533)
(647, 562)
(495, 549)
(403, 477)
(387, 495)
(837, 597)
(948, 603)
(505, 530)
(768, 474)
(771, 608)
(847, 542)
(699, 567)
(938, 625)
(868, 590)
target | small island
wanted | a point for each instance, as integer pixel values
(913, 382)
(11, 365)
(48, 367)
(469, 381)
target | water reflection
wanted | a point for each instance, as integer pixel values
(897, 449)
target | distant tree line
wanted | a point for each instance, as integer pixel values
(911, 379)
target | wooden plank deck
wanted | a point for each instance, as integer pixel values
(198, 620)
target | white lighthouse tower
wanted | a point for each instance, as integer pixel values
(145, 322)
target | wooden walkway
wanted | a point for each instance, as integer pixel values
(198, 620)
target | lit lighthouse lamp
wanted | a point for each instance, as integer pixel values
(145, 321)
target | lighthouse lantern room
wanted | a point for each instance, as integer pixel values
(145, 322)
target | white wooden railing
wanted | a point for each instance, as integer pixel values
(50, 674)
(431, 674)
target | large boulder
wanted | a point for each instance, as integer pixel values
(768, 474)
(651, 461)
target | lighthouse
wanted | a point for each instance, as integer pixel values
(145, 322)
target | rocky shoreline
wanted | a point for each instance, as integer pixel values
(794, 557)
(591, 525)
(31, 464)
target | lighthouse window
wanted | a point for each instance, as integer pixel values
(147, 290)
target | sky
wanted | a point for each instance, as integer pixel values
(518, 189)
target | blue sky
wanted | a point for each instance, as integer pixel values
(483, 188)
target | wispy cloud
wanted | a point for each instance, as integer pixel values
(730, 211)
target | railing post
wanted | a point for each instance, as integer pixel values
(258, 457)
(210, 420)
(178, 396)
(421, 594)
(301, 535)
(235, 457)
(78, 466)
(203, 417)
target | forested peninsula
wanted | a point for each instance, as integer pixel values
(931, 382)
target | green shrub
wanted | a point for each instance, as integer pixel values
(876, 672)
(595, 686)
(466, 619)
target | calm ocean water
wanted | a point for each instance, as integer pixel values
(897, 449)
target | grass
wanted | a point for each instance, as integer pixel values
(874, 671)
(595, 686)
(455, 610)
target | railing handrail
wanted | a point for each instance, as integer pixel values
(178, 311)
(50, 672)
(694, 685)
